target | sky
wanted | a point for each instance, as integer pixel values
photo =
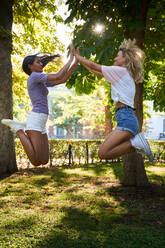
(64, 33)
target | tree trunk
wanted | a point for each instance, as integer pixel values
(7, 150)
(108, 121)
(134, 171)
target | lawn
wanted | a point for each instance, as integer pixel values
(82, 207)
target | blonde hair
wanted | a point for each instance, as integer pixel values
(134, 59)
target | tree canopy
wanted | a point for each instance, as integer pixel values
(34, 30)
(116, 17)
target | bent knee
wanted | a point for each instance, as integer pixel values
(36, 163)
(102, 154)
(45, 161)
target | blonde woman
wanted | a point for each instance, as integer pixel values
(123, 75)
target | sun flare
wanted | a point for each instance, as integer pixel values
(98, 28)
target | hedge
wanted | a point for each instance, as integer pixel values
(158, 149)
(65, 152)
(73, 151)
(76, 152)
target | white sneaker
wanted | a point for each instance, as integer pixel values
(142, 146)
(14, 125)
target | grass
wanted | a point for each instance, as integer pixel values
(83, 207)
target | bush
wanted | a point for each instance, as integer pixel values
(158, 149)
(66, 152)
(76, 152)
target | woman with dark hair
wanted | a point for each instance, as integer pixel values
(35, 140)
(126, 72)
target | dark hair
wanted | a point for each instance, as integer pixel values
(44, 57)
(28, 60)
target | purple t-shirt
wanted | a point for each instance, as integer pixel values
(37, 88)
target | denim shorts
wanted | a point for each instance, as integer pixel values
(37, 122)
(127, 120)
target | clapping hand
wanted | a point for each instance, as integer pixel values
(71, 50)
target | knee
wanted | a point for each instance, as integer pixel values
(40, 161)
(102, 154)
(35, 160)
(36, 163)
(45, 161)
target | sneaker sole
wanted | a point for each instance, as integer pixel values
(147, 147)
(6, 122)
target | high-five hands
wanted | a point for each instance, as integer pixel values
(71, 51)
(77, 53)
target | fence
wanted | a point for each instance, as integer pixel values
(65, 152)
(76, 152)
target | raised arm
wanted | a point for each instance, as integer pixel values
(88, 64)
(67, 74)
(59, 75)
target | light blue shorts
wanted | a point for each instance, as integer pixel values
(37, 122)
(127, 120)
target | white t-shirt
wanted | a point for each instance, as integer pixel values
(122, 84)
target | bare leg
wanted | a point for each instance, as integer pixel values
(116, 144)
(35, 146)
(45, 149)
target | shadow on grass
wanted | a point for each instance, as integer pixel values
(6, 175)
(43, 176)
(141, 222)
(23, 223)
(11, 191)
(153, 191)
(133, 222)
(98, 169)
(81, 230)
(105, 227)
(117, 170)
(32, 197)
(153, 177)
(101, 168)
